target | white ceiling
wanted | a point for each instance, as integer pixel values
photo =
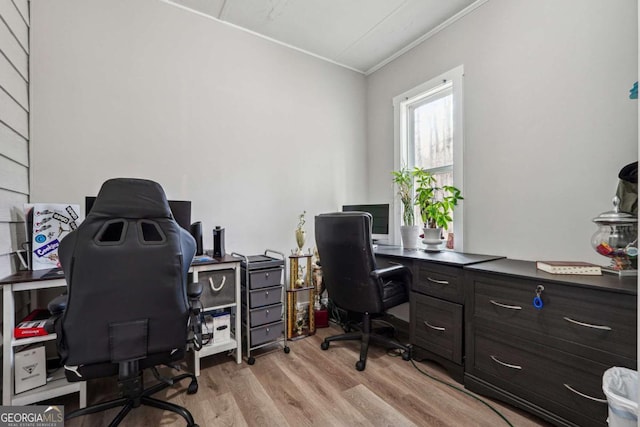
(362, 35)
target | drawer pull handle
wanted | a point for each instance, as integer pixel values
(586, 396)
(437, 328)
(587, 325)
(439, 282)
(510, 307)
(508, 365)
(266, 275)
(219, 288)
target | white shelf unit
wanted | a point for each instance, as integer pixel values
(58, 386)
(235, 343)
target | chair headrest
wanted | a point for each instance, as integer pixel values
(131, 198)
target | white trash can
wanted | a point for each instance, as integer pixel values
(620, 385)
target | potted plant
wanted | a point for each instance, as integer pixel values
(408, 230)
(436, 204)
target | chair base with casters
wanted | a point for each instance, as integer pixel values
(130, 382)
(366, 335)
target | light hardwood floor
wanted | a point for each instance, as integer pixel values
(308, 387)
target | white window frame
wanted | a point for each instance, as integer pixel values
(402, 157)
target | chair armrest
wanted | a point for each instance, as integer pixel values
(194, 290)
(57, 305)
(387, 272)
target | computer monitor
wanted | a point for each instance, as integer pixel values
(380, 215)
(180, 209)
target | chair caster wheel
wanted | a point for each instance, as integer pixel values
(251, 360)
(193, 387)
(324, 345)
(360, 365)
(406, 355)
(287, 350)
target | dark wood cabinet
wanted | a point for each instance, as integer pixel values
(548, 361)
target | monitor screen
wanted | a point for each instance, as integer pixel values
(181, 210)
(379, 213)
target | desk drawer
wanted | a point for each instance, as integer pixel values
(262, 297)
(436, 325)
(566, 384)
(218, 287)
(599, 319)
(263, 278)
(439, 281)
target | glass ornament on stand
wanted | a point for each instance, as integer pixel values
(617, 239)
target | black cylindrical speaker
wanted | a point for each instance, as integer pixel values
(218, 242)
(196, 232)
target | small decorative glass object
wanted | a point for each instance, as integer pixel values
(617, 239)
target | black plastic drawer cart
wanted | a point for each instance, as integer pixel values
(263, 308)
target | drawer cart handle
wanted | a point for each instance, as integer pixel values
(587, 325)
(510, 307)
(439, 282)
(213, 287)
(508, 365)
(586, 396)
(437, 328)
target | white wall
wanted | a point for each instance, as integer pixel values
(252, 132)
(548, 121)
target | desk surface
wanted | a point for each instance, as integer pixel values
(55, 273)
(444, 257)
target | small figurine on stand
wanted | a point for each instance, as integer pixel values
(317, 280)
(300, 233)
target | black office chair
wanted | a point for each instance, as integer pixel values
(353, 282)
(127, 306)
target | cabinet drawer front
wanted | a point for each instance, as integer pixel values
(263, 278)
(218, 287)
(603, 320)
(439, 281)
(566, 384)
(266, 333)
(436, 325)
(264, 315)
(262, 297)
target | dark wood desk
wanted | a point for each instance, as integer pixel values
(436, 326)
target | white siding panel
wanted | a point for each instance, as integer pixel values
(12, 114)
(13, 51)
(13, 146)
(14, 129)
(13, 83)
(12, 206)
(14, 176)
(23, 8)
(16, 24)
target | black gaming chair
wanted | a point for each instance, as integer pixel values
(353, 282)
(127, 306)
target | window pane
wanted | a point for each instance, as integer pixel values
(433, 132)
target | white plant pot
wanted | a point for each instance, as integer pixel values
(433, 238)
(409, 235)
